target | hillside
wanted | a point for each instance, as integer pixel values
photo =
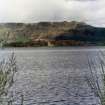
(51, 34)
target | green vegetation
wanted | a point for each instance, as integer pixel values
(7, 71)
(58, 33)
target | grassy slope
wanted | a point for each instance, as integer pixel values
(62, 33)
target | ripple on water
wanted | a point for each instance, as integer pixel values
(53, 77)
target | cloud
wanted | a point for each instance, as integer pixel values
(81, 0)
(90, 11)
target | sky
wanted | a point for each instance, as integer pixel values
(31, 11)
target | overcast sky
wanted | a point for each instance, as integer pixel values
(90, 11)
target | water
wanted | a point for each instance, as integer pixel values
(54, 76)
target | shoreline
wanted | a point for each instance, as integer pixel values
(69, 48)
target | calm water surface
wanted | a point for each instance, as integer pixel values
(54, 76)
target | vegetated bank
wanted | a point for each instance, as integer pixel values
(50, 34)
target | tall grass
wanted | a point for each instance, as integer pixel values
(94, 79)
(8, 69)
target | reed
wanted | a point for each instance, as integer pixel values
(8, 68)
(93, 80)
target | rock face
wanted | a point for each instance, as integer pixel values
(51, 33)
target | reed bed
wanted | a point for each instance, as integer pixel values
(97, 86)
(8, 68)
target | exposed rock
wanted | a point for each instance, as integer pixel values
(58, 32)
